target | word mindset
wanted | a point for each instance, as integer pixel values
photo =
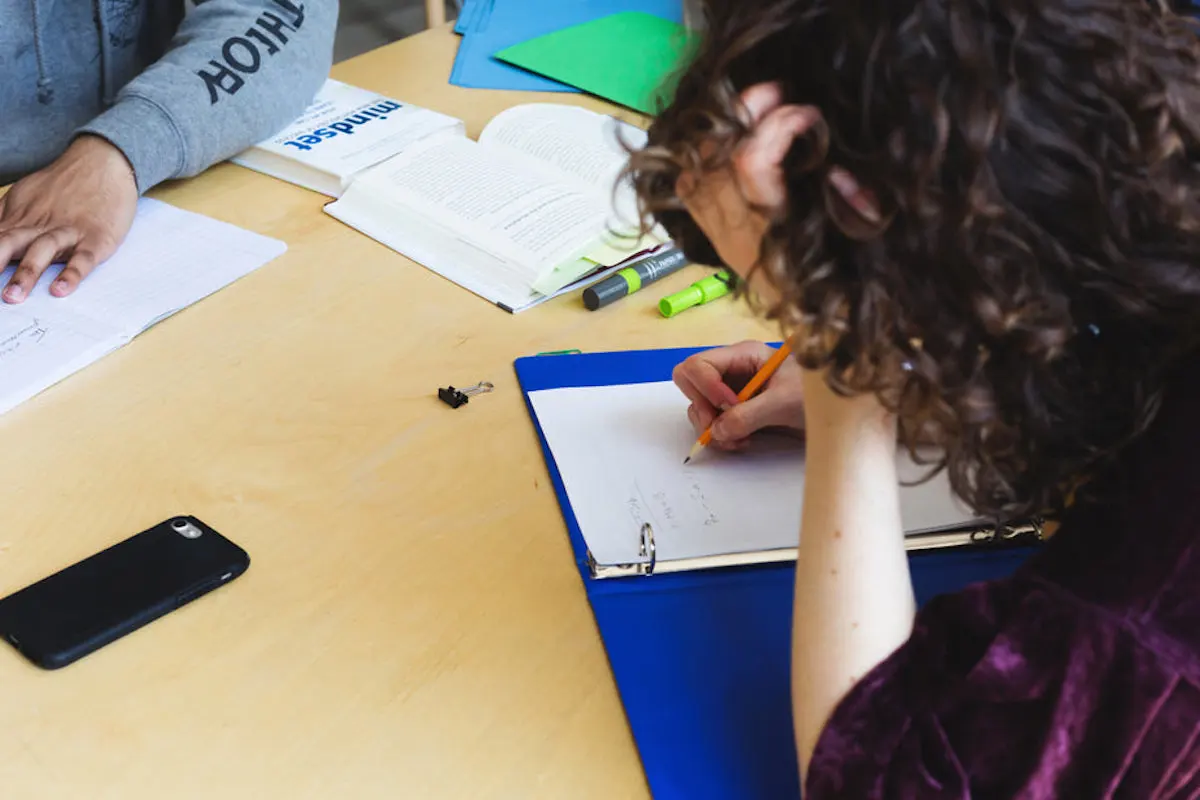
(344, 126)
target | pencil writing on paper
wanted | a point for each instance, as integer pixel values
(28, 334)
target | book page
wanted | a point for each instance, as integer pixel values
(620, 452)
(523, 212)
(171, 259)
(437, 248)
(39, 350)
(583, 144)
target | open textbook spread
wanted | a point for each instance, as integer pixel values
(170, 260)
(531, 207)
(619, 450)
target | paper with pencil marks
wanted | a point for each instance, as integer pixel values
(620, 450)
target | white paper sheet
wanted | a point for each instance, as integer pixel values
(170, 260)
(620, 451)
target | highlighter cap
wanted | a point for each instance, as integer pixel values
(700, 292)
(672, 304)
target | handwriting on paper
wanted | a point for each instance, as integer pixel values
(708, 516)
(28, 333)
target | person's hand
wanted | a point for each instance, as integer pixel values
(78, 209)
(712, 379)
(735, 206)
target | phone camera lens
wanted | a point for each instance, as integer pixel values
(185, 529)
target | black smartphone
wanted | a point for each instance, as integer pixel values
(64, 617)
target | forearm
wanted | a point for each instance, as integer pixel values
(236, 72)
(853, 602)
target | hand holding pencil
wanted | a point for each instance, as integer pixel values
(771, 395)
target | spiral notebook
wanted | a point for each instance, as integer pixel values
(640, 510)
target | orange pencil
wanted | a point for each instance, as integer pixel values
(749, 390)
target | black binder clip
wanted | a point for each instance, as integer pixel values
(459, 397)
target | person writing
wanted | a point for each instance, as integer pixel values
(979, 224)
(103, 100)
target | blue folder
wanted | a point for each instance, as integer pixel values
(701, 659)
(489, 26)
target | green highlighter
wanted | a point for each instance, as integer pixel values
(702, 291)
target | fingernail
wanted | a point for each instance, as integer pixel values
(718, 430)
(851, 192)
(14, 294)
(60, 288)
(869, 212)
(805, 115)
(844, 183)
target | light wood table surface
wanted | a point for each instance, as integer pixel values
(412, 624)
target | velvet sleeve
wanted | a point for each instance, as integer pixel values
(1015, 689)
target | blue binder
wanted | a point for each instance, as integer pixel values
(701, 659)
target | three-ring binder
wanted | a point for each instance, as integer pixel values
(994, 536)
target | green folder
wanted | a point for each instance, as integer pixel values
(632, 58)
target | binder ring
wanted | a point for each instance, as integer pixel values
(647, 548)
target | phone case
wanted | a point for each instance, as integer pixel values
(64, 617)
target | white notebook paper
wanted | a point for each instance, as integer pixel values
(170, 260)
(619, 450)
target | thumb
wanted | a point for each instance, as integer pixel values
(771, 409)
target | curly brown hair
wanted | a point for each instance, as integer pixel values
(1036, 274)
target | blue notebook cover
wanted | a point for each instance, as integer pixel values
(489, 26)
(701, 659)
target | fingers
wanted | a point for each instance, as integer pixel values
(737, 363)
(39, 251)
(13, 243)
(771, 409)
(709, 379)
(862, 201)
(39, 255)
(88, 253)
(81, 263)
(775, 128)
(759, 100)
(702, 411)
(702, 379)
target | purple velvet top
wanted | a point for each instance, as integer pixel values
(1079, 677)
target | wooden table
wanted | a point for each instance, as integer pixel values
(412, 624)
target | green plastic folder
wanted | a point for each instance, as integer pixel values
(630, 58)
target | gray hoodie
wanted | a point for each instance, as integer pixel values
(175, 92)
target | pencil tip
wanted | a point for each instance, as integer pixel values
(686, 460)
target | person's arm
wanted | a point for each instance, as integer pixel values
(853, 602)
(236, 72)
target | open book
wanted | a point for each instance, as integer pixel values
(528, 209)
(619, 452)
(170, 260)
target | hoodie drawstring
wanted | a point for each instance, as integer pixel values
(45, 86)
(106, 82)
